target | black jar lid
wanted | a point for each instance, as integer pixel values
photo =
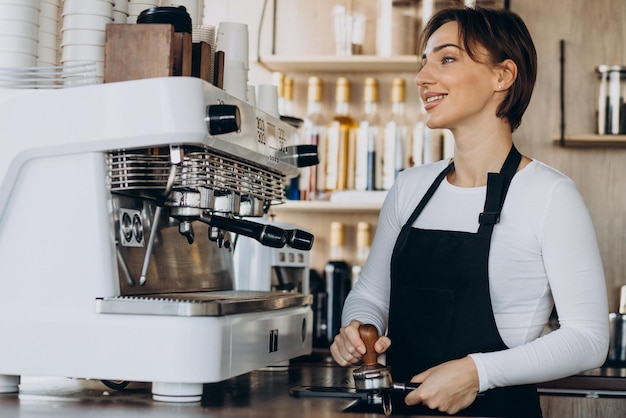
(176, 16)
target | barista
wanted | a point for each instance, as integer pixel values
(472, 253)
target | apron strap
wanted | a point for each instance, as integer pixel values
(497, 187)
(429, 193)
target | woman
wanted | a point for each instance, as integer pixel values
(471, 254)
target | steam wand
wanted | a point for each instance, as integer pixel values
(176, 157)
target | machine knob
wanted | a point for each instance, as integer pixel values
(306, 155)
(223, 119)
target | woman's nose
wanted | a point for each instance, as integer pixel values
(423, 76)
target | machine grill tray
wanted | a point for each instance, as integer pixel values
(214, 303)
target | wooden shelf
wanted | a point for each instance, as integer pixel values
(332, 63)
(592, 140)
(357, 205)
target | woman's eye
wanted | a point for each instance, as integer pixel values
(447, 60)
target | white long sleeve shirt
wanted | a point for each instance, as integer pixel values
(544, 251)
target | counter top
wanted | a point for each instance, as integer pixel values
(600, 379)
(260, 393)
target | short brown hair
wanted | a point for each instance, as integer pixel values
(505, 36)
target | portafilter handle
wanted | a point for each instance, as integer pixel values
(369, 335)
(299, 240)
(268, 235)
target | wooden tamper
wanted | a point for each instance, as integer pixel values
(371, 376)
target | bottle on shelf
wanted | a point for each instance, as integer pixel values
(338, 278)
(417, 139)
(286, 109)
(314, 132)
(368, 161)
(433, 145)
(288, 106)
(341, 139)
(447, 150)
(397, 138)
(363, 245)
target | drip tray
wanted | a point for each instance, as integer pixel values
(214, 303)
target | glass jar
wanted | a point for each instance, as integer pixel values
(611, 106)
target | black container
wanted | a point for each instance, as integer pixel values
(617, 344)
(176, 16)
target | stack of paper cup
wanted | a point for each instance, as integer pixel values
(47, 46)
(82, 38)
(19, 21)
(135, 7)
(232, 39)
(120, 11)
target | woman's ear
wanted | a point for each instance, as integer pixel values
(507, 73)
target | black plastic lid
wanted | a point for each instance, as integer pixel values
(176, 16)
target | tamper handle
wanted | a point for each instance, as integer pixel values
(369, 335)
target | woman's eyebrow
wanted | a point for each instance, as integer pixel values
(442, 46)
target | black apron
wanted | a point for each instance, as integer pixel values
(440, 307)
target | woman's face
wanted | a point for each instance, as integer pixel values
(456, 91)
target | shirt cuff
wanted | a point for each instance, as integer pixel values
(483, 380)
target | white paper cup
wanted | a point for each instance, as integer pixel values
(18, 44)
(47, 24)
(88, 7)
(267, 98)
(49, 10)
(17, 59)
(82, 53)
(82, 37)
(18, 28)
(121, 6)
(47, 40)
(26, 3)
(232, 38)
(120, 17)
(19, 13)
(236, 79)
(46, 55)
(83, 69)
(76, 21)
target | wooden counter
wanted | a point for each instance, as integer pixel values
(257, 394)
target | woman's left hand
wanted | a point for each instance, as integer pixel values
(448, 387)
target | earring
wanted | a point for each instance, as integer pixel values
(499, 86)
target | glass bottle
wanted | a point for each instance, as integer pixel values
(363, 245)
(397, 139)
(314, 132)
(368, 159)
(417, 138)
(288, 107)
(340, 143)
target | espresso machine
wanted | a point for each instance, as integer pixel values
(119, 206)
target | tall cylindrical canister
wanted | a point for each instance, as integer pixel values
(611, 106)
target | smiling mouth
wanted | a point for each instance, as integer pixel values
(434, 98)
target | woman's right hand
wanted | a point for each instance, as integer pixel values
(348, 348)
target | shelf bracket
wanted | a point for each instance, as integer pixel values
(562, 89)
